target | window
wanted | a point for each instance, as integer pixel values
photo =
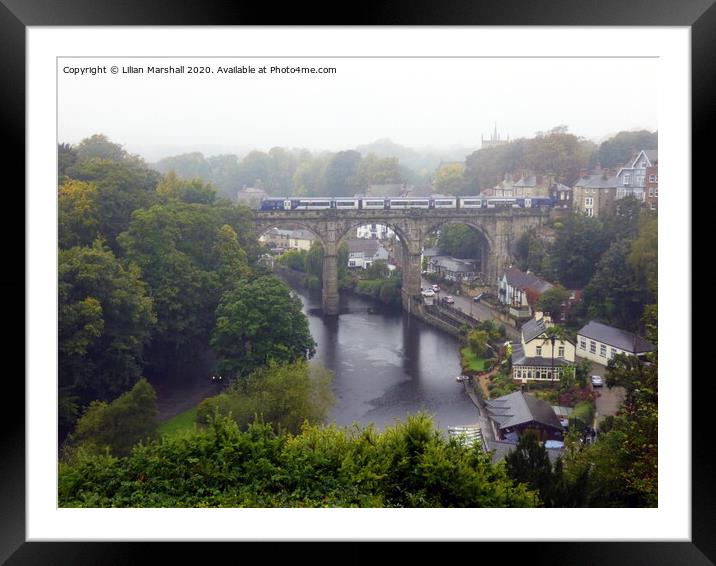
(640, 180)
(592, 347)
(560, 351)
(643, 165)
(613, 353)
(651, 191)
(627, 179)
(589, 201)
(539, 350)
(652, 178)
(603, 350)
(656, 191)
(582, 344)
(590, 212)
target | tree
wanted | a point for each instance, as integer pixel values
(341, 176)
(577, 249)
(616, 151)
(552, 335)
(285, 395)
(77, 214)
(477, 339)
(192, 190)
(461, 241)
(449, 179)
(259, 321)
(644, 254)
(551, 300)
(98, 146)
(105, 317)
(119, 425)
(529, 463)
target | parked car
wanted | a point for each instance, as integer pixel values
(597, 381)
(436, 288)
(478, 297)
(449, 300)
(428, 293)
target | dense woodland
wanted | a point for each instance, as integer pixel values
(158, 273)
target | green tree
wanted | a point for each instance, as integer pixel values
(551, 300)
(449, 179)
(529, 463)
(192, 190)
(477, 340)
(341, 176)
(577, 249)
(461, 241)
(259, 321)
(98, 146)
(119, 425)
(285, 395)
(644, 254)
(105, 318)
(617, 150)
(77, 214)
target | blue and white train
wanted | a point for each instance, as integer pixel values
(402, 203)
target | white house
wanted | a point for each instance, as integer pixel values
(535, 358)
(375, 231)
(519, 290)
(362, 253)
(600, 342)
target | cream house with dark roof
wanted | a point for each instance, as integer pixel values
(600, 342)
(535, 357)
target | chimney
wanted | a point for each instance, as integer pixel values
(539, 315)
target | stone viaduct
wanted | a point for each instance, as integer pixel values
(500, 228)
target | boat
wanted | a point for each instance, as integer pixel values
(462, 378)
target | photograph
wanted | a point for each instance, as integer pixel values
(360, 283)
(331, 282)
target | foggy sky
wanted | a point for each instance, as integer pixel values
(439, 103)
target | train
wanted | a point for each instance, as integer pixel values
(402, 203)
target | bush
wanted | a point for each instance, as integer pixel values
(117, 426)
(582, 416)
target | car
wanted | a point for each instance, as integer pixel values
(478, 297)
(597, 381)
(428, 293)
(449, 300)
(436, 288)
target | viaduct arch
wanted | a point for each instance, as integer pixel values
(499, 227)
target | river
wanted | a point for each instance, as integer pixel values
(387, 364)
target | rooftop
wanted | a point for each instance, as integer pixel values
(616, 337)
(520, 408)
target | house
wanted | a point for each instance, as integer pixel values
(522, 185)
(594, 192)
(511, 415)
(632, 176)
(453, 269)
(535, 358)
(519, 291)
(600, 342)
(362, 253)
(376, 231)
(651, 187)
(562, 195)
(277, 238)
(301, 239)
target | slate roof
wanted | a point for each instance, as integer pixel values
(453, 264)
(533, 328)
(519, 358)
(616, 337)
(302, 235)
(431, 252)
(530, 181)
(597, 181)
(520, 408)
(369, 247)
(518, 279)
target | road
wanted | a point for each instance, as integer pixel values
(479, 311)
(609, 400)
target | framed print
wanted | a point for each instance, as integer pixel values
(159, 127)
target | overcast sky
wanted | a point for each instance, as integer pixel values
(423, 102)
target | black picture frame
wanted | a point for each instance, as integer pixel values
(17, 15)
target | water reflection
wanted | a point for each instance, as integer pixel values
(387, 365)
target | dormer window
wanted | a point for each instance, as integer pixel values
(643, 165)
(627, 179)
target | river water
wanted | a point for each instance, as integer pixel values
(387, 364)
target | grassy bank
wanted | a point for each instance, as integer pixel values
(471, 361)
(182, 421)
